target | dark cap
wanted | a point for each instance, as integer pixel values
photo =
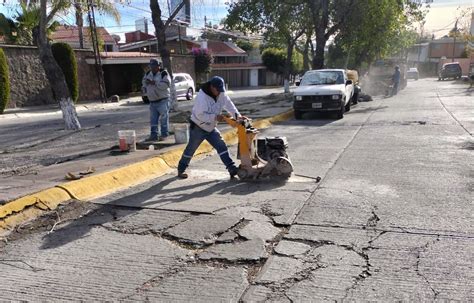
(154, 62)
(218, 83)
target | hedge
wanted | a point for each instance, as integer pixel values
(4, 82)
(65, 57)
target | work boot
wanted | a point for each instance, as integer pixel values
(233, 172)
(182, 175)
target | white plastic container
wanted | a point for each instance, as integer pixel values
(181, 133)
(127, 140)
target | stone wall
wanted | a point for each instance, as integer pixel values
(29, 85)
(87, 76)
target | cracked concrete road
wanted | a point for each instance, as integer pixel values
(391, 220)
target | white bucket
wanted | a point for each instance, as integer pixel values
(181, 133)
(127, 140)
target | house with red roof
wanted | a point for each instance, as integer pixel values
(70, 35)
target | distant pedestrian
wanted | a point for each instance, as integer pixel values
(156, 84)
(206, 112)
(396, 80)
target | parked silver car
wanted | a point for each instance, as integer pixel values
(412, 73)
(184, 85)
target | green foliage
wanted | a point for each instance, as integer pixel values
(7, 29)
(66, 59)
(274, 59)
(202, 60)
(245, 45)
(4, 82)
(281, 22)
(375, 29)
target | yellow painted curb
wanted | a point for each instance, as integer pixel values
(121, 178)
(23, 209)
(29, 207)
(45, 199)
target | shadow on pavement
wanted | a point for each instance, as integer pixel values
(128, 205)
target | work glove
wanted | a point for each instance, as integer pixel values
(164, 74)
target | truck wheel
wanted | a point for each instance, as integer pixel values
(298, 115)
(348, 106)
(340, 113)
(189, 94)
(355, 99)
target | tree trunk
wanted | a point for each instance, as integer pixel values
(289, 56)
(306, 51)
(79, 23)
(55, 75)
(321, 22)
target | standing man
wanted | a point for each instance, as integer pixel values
(207, 111)
(396, 80)
(156, 84)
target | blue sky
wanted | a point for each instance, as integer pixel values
(439, 20)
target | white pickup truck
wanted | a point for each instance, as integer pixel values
(324, 90)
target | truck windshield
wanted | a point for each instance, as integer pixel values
(323, 77)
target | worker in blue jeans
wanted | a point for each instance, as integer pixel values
(156, 83)
(206, 113)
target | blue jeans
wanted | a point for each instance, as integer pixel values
(159, 109)
(196, 136)
(395, 88)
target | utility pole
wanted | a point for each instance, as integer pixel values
(95, 46)
(179, 37)
(455, 33)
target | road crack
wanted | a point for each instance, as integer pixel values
(419, 251)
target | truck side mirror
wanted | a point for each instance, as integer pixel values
(349, 82)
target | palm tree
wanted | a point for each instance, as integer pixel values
(106, 7)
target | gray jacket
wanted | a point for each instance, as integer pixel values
(159, 90)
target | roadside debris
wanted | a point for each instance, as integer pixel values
(70, 176)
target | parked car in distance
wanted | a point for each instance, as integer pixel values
(322, 91)
(450, 70)
(412, 73)
(184, 85)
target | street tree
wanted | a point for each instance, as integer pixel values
(375, 29)
(281, 22)
(53, 72)
(106, 7)
(328, 17)
(4, 82)
(160, 29)
(19, 28)
(202, 62)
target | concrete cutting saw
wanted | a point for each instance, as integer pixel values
(260, 157)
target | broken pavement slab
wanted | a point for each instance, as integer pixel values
(291, 249)
(251, 250)
(202, 230)
(278, 269)
(197, 284)
(144, 221)
(259, 230)
(101, 255)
